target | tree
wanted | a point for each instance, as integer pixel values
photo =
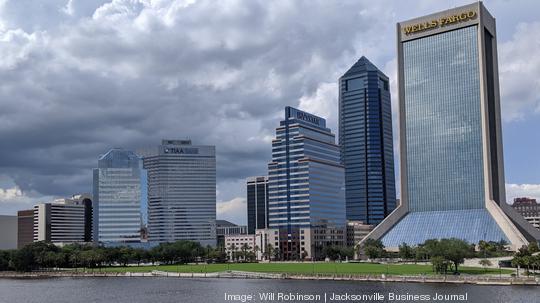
(456, 250)
(517, 262)
(269, 252)
(5, 258)
(485, 263)
(256, 250)
(406, 252)
(347, 252)
(533, 247)
(374, 248)
(439, 264)
(420, 253)
(245, 248)
(23, 259)
(277, 254)
(303, 255)
(233, 250)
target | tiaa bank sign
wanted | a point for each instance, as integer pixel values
(181, 150)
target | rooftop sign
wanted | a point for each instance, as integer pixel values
(181, 150)
(440, 22)
(293, 113)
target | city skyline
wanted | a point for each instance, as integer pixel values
(43, 158)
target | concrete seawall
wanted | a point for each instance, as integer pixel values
(464, 279)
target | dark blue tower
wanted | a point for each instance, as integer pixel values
(365, 138)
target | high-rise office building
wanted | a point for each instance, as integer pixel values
(452, 177)
(181, 192)
(306, 191)
(365, 138)
(64, 221)
(257, 203)
(117, 197)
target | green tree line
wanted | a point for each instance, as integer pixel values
(43, 255)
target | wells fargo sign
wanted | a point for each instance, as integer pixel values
(436, 23)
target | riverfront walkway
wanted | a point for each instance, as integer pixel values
(463, 279)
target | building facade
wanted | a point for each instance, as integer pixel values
(226, 228)
(529, 209)
(181, 192)
(357, 231)
(64, 221)
(8, 232)
(257, 203)
(365, 138)
(306, 205)
(117, 197)
(25, 227)
(452, 176)
(237, 245)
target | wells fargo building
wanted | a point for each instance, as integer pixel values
(452, 178)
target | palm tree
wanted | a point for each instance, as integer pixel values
(256, 249)
(245, 248)
(233, 249)
(269, 252)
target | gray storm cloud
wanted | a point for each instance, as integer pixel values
(80, 77)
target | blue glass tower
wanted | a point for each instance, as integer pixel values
(117, 197)
(365, 138)
(305, 186)
(452, 173)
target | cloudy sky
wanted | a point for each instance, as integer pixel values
(78, 77)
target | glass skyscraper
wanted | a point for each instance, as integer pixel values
(365, 138)
(452, 177)
(181, 192)
(306, 187)
(117, 197)
(257, 203)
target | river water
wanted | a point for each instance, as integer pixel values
(146, 290)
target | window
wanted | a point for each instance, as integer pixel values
(354, 84)
(384, 83)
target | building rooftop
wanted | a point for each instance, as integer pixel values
(361, 66)
(224, 223)
(525, 202)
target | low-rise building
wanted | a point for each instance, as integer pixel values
(300, 244)
(64, 221)
(226, 228)
(8, 232)
(529, 209)
(357, 231)
(236, 245)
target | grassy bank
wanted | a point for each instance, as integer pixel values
(305, 268)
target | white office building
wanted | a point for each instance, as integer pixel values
(181, 192)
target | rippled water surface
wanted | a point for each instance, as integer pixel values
(144, 290)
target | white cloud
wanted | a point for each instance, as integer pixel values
(522, 190)
(13, 199)
(234, 210)
(519, 62)
(10, 194)
(68, 9)
(324, 103)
